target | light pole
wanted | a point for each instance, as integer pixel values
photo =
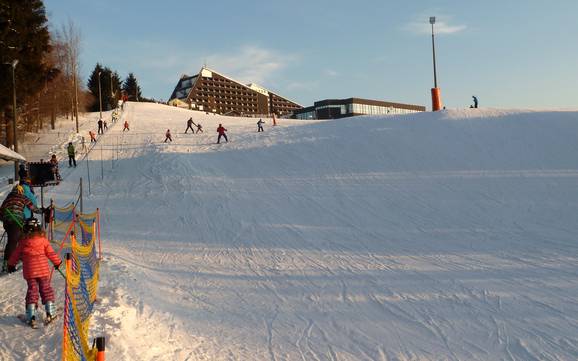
(111, 93)
(435, 92)
(14, 114)
(99, 94)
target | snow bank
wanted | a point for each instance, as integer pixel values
(446, 235)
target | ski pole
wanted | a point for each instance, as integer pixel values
(59, 271)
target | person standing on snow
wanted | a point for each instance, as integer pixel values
(100, 131)
(475, 101)
(260, 125)
(92, 136)
(105, 125)
(34, 250)
(54, 163)
(125, 126)
(12, 216)
(168, 136)
(29, 194)
(71, 155)
(221, 130)
(190, 124)
(22, 172)
(199, 128)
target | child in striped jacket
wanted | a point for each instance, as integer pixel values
(34, 250)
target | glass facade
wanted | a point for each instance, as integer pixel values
(377, 110)
(184, 87)
(341, 107)
(307, 115)
(347, 107)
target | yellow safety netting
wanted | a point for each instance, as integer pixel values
(82, 275)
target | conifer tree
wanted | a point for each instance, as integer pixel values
(24, 37)
(93, 86)
(131, 88)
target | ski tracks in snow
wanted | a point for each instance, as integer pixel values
(291, 245)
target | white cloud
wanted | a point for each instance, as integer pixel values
(422, 26)
(250, 63)
(330, 73)
(302, 86)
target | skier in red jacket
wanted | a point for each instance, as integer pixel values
(221, 130)
(33, 250)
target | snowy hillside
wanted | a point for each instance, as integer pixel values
(433, 236)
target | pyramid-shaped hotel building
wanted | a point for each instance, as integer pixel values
(216, 93)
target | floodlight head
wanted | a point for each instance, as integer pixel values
(14, 63)
(432, 20)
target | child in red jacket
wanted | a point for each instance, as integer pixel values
(221, 130)
(33, 250)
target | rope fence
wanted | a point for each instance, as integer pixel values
(82, 274)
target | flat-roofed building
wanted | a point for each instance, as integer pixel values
(216, 93)
(341, 108)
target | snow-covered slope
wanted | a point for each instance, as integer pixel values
(434, 236)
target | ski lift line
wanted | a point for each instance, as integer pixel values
(88, 150)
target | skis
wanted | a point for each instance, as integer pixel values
(47, 321)
(33, 323)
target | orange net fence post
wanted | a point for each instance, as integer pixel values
(436, 99)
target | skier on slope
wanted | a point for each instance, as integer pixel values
(190, 124)
(260, 125)
(72, 154)
(33, 250)
(221, 130)
(29, 194)
(168, 136)
(100, 130)
(475, 101)
(199, 128)
(92, 136)
(12, 216)
(54, 163)
(125, 126)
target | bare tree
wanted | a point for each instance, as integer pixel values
(70, 38)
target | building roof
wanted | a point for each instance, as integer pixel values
(251, 86)
(9, 154)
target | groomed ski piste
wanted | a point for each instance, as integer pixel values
(433, 236)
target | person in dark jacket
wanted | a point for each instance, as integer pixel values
(12, 216)
(168, 136)
(190, 124)
(199, 128)
(71, 155)
(221, 130)
(22, 172)
(475, 101)
(260, 125)
(100, 130)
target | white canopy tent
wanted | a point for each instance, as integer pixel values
(9, 154)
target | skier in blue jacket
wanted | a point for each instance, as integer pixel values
(28, 193)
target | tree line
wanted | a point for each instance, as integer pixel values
(44, 65)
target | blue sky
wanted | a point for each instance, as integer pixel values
(509, 53)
